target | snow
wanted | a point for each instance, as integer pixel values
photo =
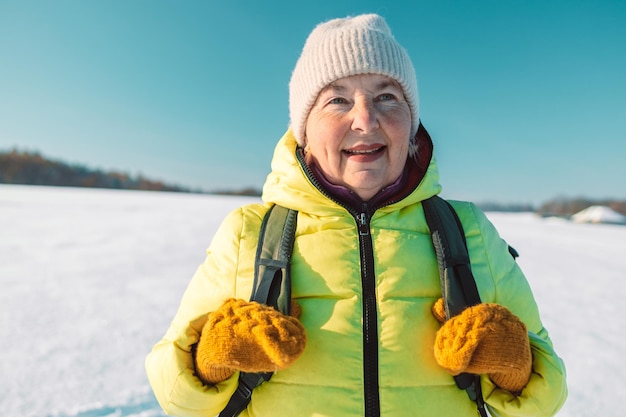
(91, 278)
(599, 214)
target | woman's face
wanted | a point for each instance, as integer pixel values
(358, 133)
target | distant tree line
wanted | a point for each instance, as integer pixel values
(567, 206)
(503, 207)
(558, 207)
(248, 192)
(23, 167)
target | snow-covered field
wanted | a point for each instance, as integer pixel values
(89, 280)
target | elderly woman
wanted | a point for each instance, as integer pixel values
(364, 338)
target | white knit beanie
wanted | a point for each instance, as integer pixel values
(344, 47)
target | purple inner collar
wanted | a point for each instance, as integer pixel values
(345, 195)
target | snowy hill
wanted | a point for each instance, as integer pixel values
(599, 214)
(91, 278)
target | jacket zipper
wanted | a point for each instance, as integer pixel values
(370, 316)
(368, 288)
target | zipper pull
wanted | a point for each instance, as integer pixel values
(362, 222)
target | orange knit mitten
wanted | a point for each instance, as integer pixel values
(485, 339)
(249, 337)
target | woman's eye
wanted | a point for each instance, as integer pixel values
(336, 100)
(386, 97)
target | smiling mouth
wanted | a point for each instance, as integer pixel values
(364, 151)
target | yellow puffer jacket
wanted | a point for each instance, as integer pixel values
(328, 379)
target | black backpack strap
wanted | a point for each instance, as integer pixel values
(272, 275)
(272, 286)
(458, 286)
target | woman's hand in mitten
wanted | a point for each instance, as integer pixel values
(249, 337)
(485, 339)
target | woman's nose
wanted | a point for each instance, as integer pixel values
(364, 117)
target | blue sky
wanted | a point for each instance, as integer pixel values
(525, 100)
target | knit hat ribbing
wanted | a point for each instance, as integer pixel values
(344, 47)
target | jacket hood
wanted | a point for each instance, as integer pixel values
(289, 185)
